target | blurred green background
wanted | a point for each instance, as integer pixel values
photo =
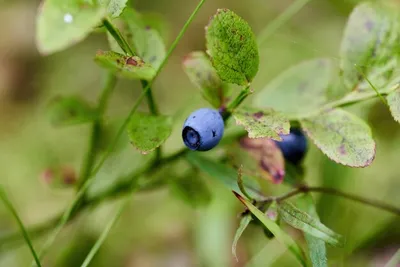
(158, 228)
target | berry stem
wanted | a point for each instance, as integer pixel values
(246, 91)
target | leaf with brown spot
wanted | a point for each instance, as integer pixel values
(265, 123)
(125, 66)
(260, 157)
(147, 132)
(342, 136)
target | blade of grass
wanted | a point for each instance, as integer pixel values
(66, 216)
(104, 234)
(274, 25)
(11, 208)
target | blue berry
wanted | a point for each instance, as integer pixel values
(293, 146)
(203, 129)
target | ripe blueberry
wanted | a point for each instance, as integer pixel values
(203, 129)
(293, 146)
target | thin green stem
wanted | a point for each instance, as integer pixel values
(150, 99)
(90, 156)
(246, 91)
(332, 191)
(11, 208)
(104, 234)
(273, 26)
(81, 193)
(116, 34)
(372, 86)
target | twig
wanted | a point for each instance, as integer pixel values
(332, 191)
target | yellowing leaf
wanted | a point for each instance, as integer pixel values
(341, 136)
(262, 123)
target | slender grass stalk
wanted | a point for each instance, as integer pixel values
(104, 234)
(273, 26)
(11, 208)
(90, 156)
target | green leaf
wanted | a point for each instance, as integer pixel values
(201, 73)
(342, 136)
(147, 41)
(125, 66)
(232, 47)
(70, 110)
(157, 22)
(244, 222)
(393, 100)
(61, 24)
(300, 89)
(262, 123)
(192, 189)
(303, 221)
(280, 235)
(370, 42)
(224, 174)
(114, 7)
(147, 132)
(316, 246)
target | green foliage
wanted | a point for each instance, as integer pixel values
(341, 136)
(299, 89)
(61, 24)
(371, 45)
(131, 67)
(244, 222)
(224, 174)
(70, 110)
(201, 73)
(232, 47)
(147, 132)
(262, 123)
(146, 41)
(316, 246)
(303, 221)
(192, 189)
(114, 7)
(393, 100)
(275, 230)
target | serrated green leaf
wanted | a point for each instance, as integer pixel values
(146, 40)
(224, 174)
(147, 132)
(61, 24)
(125, 66)
(70, 110)
(114, 7)
(265, 123)
(232, 47)
(316, 246)
(393, 100)
(280, 235)
(303, 221)
(244, 222)
(300, 89)
(192, 189)
(342, 136)
(201, 73)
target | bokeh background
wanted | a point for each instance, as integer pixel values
(159, 228)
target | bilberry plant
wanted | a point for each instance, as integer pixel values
(307, 94)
